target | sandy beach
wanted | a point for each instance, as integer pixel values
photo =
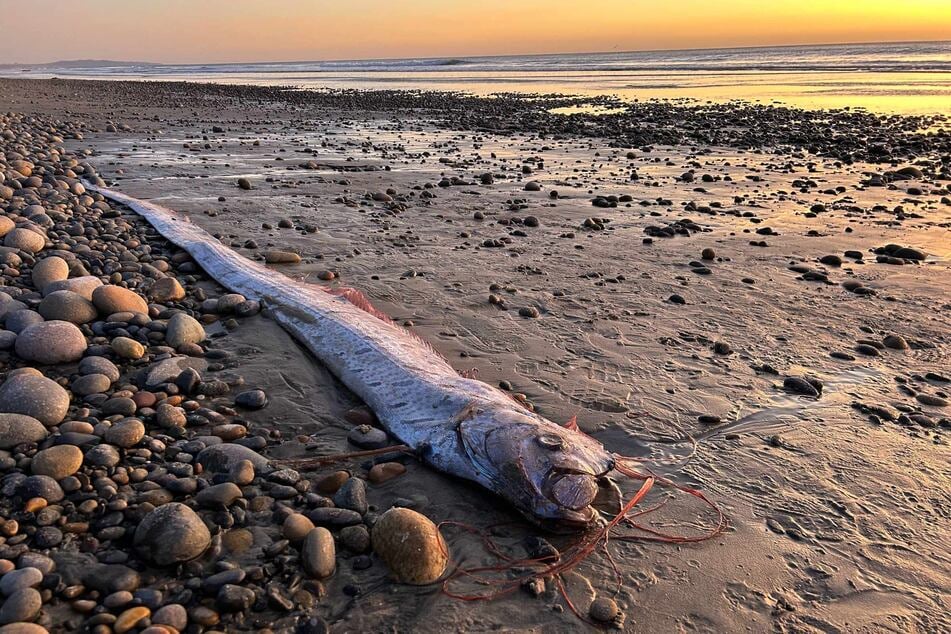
(756, 300)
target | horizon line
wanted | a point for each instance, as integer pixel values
(493, 56)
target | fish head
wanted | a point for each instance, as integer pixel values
(551, 474)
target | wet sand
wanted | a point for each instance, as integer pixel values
(838, 516)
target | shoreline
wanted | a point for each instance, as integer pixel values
(397, 203)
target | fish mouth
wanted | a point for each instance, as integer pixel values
(568, 521)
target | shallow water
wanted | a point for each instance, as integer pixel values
(907, 78)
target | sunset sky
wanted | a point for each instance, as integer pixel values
(286, 30)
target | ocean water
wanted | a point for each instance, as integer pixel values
(910, 78)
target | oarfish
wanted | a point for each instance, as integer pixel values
(458, 425)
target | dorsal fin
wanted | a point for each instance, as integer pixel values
(359, 300)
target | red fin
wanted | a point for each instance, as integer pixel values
(572, 424)
(359, 300)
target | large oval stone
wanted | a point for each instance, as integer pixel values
(51, 342)
(411, 546)
(111, 299)
(36, 396)
(170, 534)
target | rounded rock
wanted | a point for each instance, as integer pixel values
(183, 329)
(21, 606)
(318, 553)
(172, 533)
(24, 240)
(57, 462)
(17, 429)
(125, 433)
(67, 306)
(411, 546)
(51, 269)
(51, 342)
(115, 299)
(36, 396)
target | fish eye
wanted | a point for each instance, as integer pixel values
(550, 441)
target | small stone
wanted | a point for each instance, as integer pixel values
(24, 240)
(331, 482)
(242, 473)
(130, 618)
(126, 348)
(234, 598)
(172, 533)
(51, 269)
(51, 342)
(352, 495)
(244, 183)
(799, 385)
(90, 384)
(296, 527)
(99, 365)
(219, 495)
(355, 538)
(173, 615)
(367, 437)
(111, 299)
(125, 433)
(16, 580)
(318, 553)
(529, 311)
(57, 462)
(17, 429)
(281, 257)
(36, 396)
(67, 306)
(183, 329)
(21, 606)
(708, 254)
(167, 289)
(603, 610)
(251, 399)
(380, 473)
(411, 546)
(895, 342)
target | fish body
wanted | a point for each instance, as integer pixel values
(458, 425)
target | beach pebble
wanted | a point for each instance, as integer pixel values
(318, 553)
(183, 329)
(19, 320)
(111, 299)
(355, 538)
(242, 473)
(90, 384)
(367, 437)
(251, 399)
(102, 456)
(22, 605)
(126, 348)
(167, 289)
(36, 396)
(125, 433)
(130, 618)
(352, 495)
(24, 240)
(99, 365)
(380, 473)
(603, 610)
(16, 580)
(244, 183)
(172, 533)
(40, 486)
(67, 306)
(218, 495)
(173, 615)
(281, 257)
(57, 462)
(411, 546)
(799, 385)
(51, 269)
(296, 527)
(17, 429)
(895, 342)
(234, 598)
(222, 458)
(51, 342)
